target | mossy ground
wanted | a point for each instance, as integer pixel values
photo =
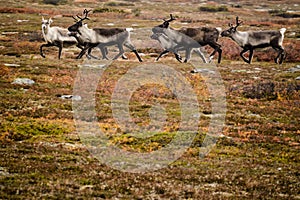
(41, 152)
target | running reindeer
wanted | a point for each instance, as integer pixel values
(56, 36)
(100, 37)
(251, 40)
(191, 39)
(171, 46)
(84, 42)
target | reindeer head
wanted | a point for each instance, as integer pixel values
(79, 21)
(165, 24)
(232, 29)
(46, 23)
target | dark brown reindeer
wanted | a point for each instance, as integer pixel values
(250, 40)
(200, 37)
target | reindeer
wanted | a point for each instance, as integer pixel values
(56, 36)
(103, 37)
(206, 36)
(170, 46)
(81, 40)
(251, 40)
(191, 38)
(84, 42)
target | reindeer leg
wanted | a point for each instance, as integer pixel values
(175, 51)
(211, 56)
(60, 46)
(220, 54)
(281, 55)
(83, 51)
(44, 45)
(132, 48)
(250, 55)
(89, 56)
(200, 53)
(104, 52)
(162, 54)
(188, 53)
(242, 55)
(217, 48)
(121, 51)
(278, 55)
(80, 46)
(178, 57)
(124, 57)
(137, 55)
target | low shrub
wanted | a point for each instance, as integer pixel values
(260, 91)
(213, 9)
(105, 10)
(54, 2)
(112, 3)
(283, 13)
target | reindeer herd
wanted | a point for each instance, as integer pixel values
(171, 40)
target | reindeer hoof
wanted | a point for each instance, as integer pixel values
(124, 57)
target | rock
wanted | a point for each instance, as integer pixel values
(238, 71)
(294, 69)
(72, 97)
(11, 65)
(3, 171)
(203, 71)
(23, 81)
(10, 33)
(100, 66)
(22, 20)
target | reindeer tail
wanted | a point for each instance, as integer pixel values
(129, 29)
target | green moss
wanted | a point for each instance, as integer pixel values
(22, 130)
(105, 10)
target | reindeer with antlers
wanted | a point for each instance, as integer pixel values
(102, 37)
(250, 40)
(191, 39)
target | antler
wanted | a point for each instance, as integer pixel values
(171, 19)
(76, 20)
(238, 22)
(85, 13)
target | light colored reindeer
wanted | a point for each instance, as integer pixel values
(56, 36)
(170, 46)
(250, 40)
(191, 38)
(85, 42)
(103, 37)
(81, 40)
